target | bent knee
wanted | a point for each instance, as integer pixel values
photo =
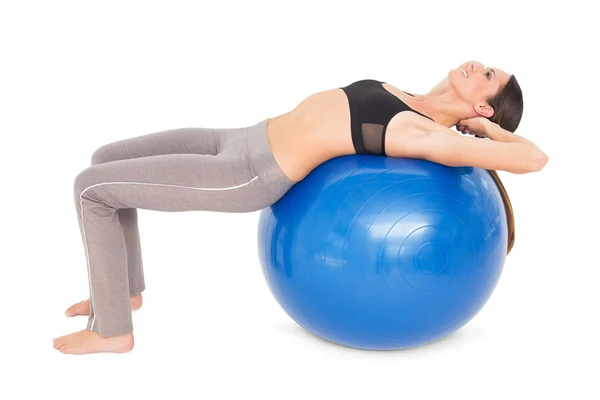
(83, 180)
(104, 154)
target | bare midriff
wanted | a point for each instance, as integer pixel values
(317, 130)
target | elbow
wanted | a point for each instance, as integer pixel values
(538, 161)
(532, 162)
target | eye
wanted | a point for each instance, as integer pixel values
(488, 74)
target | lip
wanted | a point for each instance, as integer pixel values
(466, 70)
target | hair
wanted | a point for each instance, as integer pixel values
(508, 109)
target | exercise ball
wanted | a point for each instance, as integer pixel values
(384, 253)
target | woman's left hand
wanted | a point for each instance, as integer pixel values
(474, 126)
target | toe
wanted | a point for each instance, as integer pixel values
(60, 341)
(71, 311)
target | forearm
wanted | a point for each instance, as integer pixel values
(495, 132)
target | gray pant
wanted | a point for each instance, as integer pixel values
(187, 169)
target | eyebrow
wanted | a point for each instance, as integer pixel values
(492, 69)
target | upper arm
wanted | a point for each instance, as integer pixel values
(452, 149)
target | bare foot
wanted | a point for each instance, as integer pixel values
(83, 307)
(85, 342)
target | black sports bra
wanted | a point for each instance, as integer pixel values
(372, 107)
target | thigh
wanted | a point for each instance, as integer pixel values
(206, 141)
(173, 182)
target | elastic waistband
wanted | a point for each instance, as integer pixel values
(262, 159)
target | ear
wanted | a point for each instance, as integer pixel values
(484, 109)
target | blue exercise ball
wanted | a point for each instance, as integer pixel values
(384, 253)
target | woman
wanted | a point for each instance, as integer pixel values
(247, 169)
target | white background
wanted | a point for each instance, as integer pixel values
(76, 75)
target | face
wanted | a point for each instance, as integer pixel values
(473, 82)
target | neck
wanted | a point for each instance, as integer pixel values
(442, 105)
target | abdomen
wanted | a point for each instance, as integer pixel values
(317, 130)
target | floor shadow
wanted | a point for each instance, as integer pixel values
(459, 337)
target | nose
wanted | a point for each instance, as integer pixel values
(475, 65)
